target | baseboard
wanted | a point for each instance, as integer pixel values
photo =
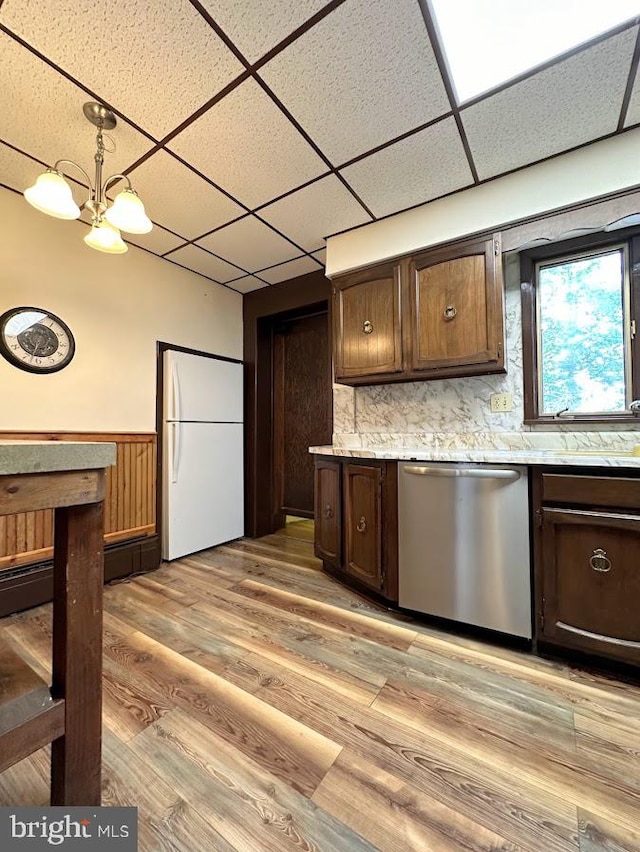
(32, 585)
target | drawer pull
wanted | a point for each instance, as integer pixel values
(367, 327)
(328, 512)
(362, 524)
(449, 313)
(599, 561)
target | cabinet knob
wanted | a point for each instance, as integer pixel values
(449, 313)
(328, 511)
(599, 561)
(367, 327)
(362, 524)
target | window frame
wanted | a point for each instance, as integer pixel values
(564, 250)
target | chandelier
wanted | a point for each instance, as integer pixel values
(52, 194)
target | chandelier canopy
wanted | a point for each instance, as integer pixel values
(51, 194)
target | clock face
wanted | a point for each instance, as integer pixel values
(35, 340)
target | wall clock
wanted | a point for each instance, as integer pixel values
(35, 340)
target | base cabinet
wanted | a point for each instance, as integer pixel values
(356, 528)
(588, 564)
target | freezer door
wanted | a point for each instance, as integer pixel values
(202, 389)
(203, 486)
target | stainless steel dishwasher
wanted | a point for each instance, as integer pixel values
(464, 543)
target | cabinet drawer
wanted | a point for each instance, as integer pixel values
(611, 491)
(592, 581)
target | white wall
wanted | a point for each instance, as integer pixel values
(117, 307)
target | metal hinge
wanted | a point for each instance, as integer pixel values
(542, 617)
(633, 329)
(539, 517)
(496, 248)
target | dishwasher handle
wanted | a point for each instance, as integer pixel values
(474, 472)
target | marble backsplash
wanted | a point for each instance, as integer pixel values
(450, 413)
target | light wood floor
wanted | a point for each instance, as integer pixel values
(252, 703)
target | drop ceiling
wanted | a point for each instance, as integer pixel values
(255, 129)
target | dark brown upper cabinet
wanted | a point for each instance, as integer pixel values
(368, 323)
(455, 303)
(433, 314)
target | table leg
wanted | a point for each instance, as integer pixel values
(78, 574)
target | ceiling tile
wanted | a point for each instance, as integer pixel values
(247, 146)
(292, 269)
(247, 284)
(156, 62)
(41, 113)
(573, 102)
(255, 26)
(321, 255)
(17, 171)
(417, 169)
(175, 196)
(158, 240)
(315, 212)
(198, 260)
(363, 75)
(250, 243)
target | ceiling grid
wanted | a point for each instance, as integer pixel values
(255, 129)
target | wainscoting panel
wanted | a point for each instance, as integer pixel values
(130, 503)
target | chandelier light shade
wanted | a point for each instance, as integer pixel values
(51, 194)
(104, 237)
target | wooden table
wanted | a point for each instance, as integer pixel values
(69, 478)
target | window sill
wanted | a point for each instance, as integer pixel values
(610, 420)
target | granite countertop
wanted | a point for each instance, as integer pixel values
(577, 458)
(45, 456)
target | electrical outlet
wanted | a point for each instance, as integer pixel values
(501, 402)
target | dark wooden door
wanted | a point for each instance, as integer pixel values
(363, 523)
(455, 298)
(591, 581)
(366, 322)
(328, 511)
(302, 415)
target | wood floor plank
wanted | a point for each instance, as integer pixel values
(598, 834)
(394, 817)
(494, 797)
(249, 807)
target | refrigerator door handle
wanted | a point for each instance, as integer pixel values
(175, 451)
(175, 393)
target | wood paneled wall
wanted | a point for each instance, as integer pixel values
(130, 503)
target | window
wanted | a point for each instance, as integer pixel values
(578, 329)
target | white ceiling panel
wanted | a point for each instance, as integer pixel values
(321, 255)
(198, 260)
(156, 62)
(247, 284)
(41, 113)
(17, 171)
(292, 269)
(566, 105)
(250, 243)
(157, 240)
(315, 212)
(633, 111)
(363, 75)
(177, 197)
(245, 136)
(255, 26)
(423, 166)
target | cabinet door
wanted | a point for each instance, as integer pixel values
(366, 323)
(456, 309)
(591, 581)
(363, 524)
(328, 511)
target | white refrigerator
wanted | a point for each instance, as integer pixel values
(203, 462)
